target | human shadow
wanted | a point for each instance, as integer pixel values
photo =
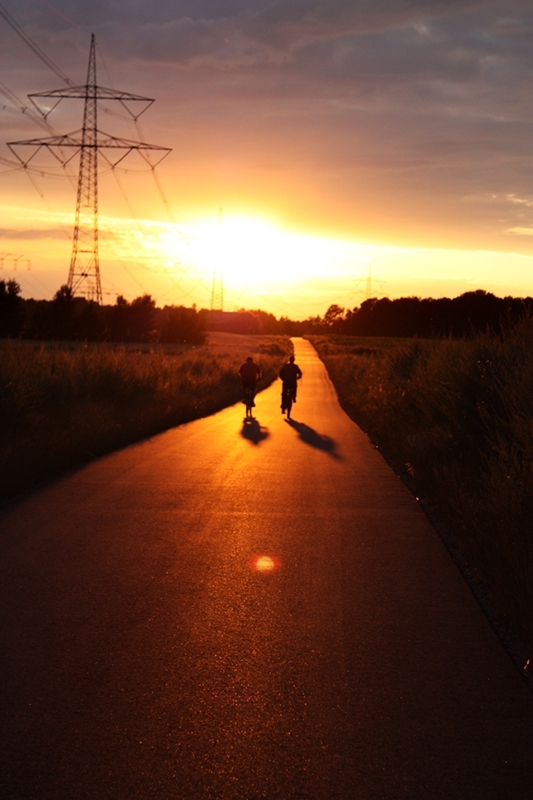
(314, 439)
(253, 431)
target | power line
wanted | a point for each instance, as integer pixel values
(59, 14)
(175, 283)
(24, 109)
(32, 45)
(19, 30)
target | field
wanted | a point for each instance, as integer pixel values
(455, 419)
(62, 405)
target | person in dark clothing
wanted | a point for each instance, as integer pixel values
(290, 374)
(249, 373)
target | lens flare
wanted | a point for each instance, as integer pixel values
(264, 563)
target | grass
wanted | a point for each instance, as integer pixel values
(455, 418)
(63, 405)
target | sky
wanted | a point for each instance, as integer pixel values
(323, 151)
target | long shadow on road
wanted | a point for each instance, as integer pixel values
(253, 431)
(313, 438)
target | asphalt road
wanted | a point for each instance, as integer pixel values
(145, 655)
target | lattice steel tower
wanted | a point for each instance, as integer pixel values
(84, 272)
(217, 286)
(85, 261)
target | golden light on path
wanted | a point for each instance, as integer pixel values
(264, 563)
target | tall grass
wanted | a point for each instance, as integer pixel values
(63, 405)
(456, 417)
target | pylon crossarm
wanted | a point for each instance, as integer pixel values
(19, 159)
(64, 161)
(117, 141)
(114, 164)
(61, 160)
(25, 162)
(63, 140)
(49, 143)
(72, 140)
(96, 93)
(144, 155)
(44, 114)
(135, 117)
(16, 166)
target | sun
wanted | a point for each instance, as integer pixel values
(247, 252)
(257, 262)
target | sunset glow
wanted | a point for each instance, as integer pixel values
(353, 152)
(262, 265)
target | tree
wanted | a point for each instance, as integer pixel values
(142, 317)
(180, 324)
(333, 316)
(11, 308)
(62, 310)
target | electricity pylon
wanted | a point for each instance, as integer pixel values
(84, 272)
(370, 285)
(217, 291)
(217, 286)
(14, 260)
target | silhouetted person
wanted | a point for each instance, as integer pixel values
(249, 373)
(290, 374)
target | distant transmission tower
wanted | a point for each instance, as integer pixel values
(370, 285)
(84, 272)
(14, 259)
(217, 287)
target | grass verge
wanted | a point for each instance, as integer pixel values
(63, 405)
(455, 419)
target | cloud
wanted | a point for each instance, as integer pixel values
(384, 116)
(451, 55)
(520, 231)
(51, 233)
(285, 24)
(178, 41)
(521, 201)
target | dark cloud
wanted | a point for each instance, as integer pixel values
(286, 23)
(179, 41)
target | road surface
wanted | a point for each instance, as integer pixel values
(241, 611)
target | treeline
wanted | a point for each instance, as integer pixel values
(463, 317)
(72, 318)
(75, 318)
